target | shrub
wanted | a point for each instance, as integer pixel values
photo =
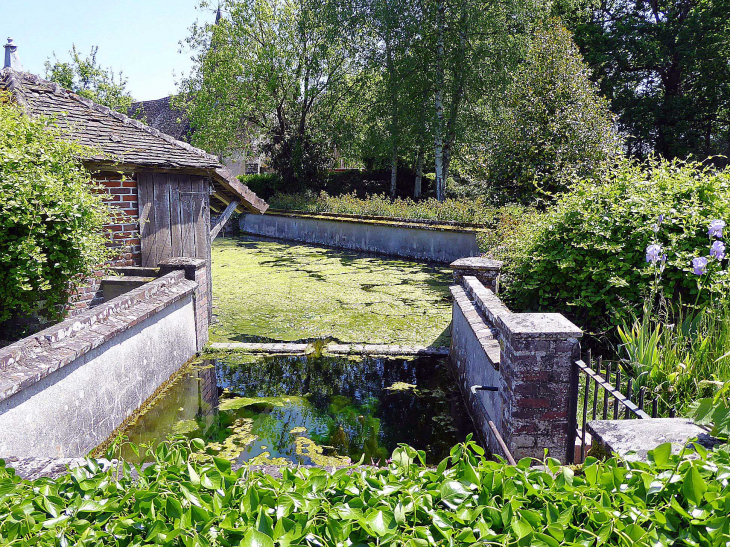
(551, 125)
(264, 185)
(586, 257)
(182, 500)
(473, 211)
(51, 220)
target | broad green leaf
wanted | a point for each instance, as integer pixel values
(693, 485)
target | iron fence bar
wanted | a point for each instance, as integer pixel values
(605, 393)
(501, 443)
(655, 407)
(585, 419)
(629, 384)
(618, 388)
(642, 392)
(595, 390)
(617, 395)
(573, 412)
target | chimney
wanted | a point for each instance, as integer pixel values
(12, 59)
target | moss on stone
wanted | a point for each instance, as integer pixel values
(273, 291)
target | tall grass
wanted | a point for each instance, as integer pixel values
(472, 211)
(680, 360)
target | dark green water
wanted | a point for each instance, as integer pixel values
(325, 410)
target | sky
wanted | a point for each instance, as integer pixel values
(139, 37)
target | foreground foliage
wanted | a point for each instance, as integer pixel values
(467, 500)
(50, 219)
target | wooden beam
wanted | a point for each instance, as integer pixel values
(223, 219)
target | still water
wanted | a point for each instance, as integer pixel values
(309, 410)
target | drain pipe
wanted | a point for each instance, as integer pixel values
(495, 432)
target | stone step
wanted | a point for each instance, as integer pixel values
(334, 349)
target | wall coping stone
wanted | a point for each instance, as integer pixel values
(31, 359)
(535, 326)
(633, 439)
(417, 224)
(477, 263)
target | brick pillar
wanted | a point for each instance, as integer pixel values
(484, 269)
(195, 270)
(538, 352)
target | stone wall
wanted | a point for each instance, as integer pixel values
(528, 357)
(65, 389)
(408, 239)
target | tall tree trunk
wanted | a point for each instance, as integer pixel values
(457, 93)
(393, 119)
(439, 101)
(419, 172)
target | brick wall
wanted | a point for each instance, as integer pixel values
(528, 357)
(120, 192)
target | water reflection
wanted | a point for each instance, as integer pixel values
(325, 410)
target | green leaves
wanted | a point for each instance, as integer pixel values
(694, 486)
(51, 220)
(602, 503)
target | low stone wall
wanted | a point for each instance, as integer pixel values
(408, 239)
(528, 357)
(64, 390)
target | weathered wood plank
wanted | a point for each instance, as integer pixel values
(187, 233)
(145, 189)
(225, 216)
(176, 216)
(161, 212)
(201, 216)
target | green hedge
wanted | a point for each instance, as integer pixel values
(181, 500)
(473, 211)
(586, 257)
(50, 219)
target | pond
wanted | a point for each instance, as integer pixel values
(308, 410)
(274, 291)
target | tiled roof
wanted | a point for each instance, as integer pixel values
(161, 115)
(129, 142)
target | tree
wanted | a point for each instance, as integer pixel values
(84, 76)
(284, 67)
(665, 67)
(50, 216)
(551, 126)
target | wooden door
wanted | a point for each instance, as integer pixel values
(174, 216)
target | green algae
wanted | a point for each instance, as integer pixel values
(267, 290)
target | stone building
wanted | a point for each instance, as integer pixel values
(162, 190)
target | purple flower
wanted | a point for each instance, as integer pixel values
(699, 265)
(717, 250)
(716, 227)
(655, 227)
(653, 253)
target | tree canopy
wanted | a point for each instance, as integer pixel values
(86, 77)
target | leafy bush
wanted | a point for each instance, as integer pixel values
(474, 211)
(264, 185)
(586, 257)
(51, 220)
(551, 125)
(467, 500)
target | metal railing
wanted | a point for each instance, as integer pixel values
(606, 400)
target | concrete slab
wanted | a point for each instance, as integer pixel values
(633, 439)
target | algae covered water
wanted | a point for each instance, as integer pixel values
(274, 291)
(305, 410)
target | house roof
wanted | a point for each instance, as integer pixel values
(162, 115)
(130, 143)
